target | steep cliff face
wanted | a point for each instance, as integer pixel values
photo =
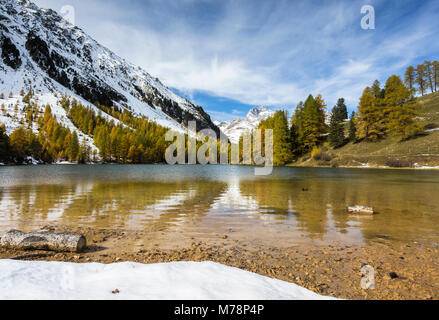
(42, 52)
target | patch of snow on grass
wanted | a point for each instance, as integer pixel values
(417, 166)
(365, 165)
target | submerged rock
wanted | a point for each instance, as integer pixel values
(361, 209)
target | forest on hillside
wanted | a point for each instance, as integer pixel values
(383, 111)
(132, 140)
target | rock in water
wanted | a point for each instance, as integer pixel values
(44, 241)
(361, 209)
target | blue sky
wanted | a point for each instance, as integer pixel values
(229, 56)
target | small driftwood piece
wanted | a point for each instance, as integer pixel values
(63, 242)
(361, 210)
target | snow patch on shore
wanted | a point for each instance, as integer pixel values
(166, 281)
(417, 166)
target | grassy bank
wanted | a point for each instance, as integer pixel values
(417, 152)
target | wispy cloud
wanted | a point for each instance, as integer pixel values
(264, 52)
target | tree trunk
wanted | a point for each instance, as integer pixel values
(44, 241)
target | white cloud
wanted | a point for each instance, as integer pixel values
(265, 53)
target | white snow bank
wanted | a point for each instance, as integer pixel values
(167, 281)
(65, 162)
(417, 166)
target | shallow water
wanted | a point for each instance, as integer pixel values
(291, 205)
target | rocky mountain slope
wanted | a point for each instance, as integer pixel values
(233, 130)
(43, 53)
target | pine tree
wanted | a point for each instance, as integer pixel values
(421, 76)
(340, 111)
(401, 107)
(73, 147)
(436, 75)
(376, 90)
(4, 144)
(281, 144)
(343, 109)
(410, 77)
(297, 123)
(102, 141)
(124, 148)
(321, 108)
(65, 149)
(132, 154)
(84, 153)
(140, 153)
(336, 136)
(368, 120)
(310, 122)
(352, 128)
(282, 148)
(27, 97)
(35, 149)
(19, 144)
(294, 140)
(429, 73)
(115, 137)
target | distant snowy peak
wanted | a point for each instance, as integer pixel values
(234, 130)
(256, 115)
(41, 51)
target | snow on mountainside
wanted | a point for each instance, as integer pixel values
(42, 52)
(233, 130)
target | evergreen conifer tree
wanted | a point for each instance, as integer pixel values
(4, 144)
(410, 77)
(401, 107)
(429, 74)
(421, 78)
(336, 127)
(368, 120)
(352, 128)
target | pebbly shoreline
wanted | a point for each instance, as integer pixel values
(402, 271)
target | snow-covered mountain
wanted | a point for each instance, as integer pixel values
(42, 52)
(233, 130)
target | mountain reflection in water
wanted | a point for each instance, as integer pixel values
(298, 202)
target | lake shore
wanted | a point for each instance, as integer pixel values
(365, 167)
(290, 165)
(327, 269)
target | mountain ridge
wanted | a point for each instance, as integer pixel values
(43, 53)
